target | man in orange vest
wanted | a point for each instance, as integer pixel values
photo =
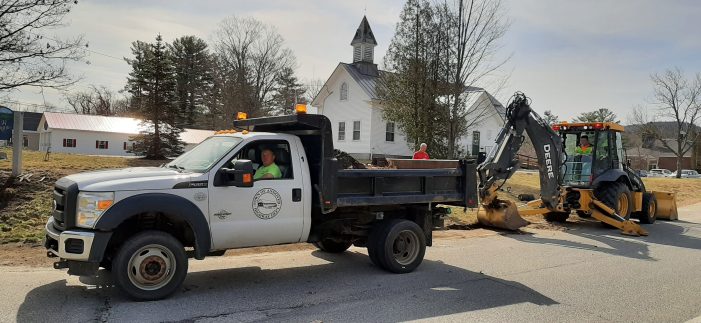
(584, 146)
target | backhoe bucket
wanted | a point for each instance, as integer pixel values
(501, 214)
(666, 206)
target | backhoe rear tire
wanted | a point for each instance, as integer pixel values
(616, 196)
(648, 213)
(557, 216)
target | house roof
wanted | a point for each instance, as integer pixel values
(195, 136)
(87, 122)
(132, 126)
(364, 34)
(30, 121)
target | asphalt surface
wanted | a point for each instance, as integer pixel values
(587, 273)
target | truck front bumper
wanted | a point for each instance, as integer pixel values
(79, 250)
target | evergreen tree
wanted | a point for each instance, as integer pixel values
(598, 115)
(287, 92)
(152, 86)
(192, 62)
(550, 118)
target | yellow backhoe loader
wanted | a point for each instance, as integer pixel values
(582, 168)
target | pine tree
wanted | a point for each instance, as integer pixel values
(598, 115)
(193, 64)
(152, 86)
(287, 92)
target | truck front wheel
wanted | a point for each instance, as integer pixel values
(150, 266)
(397, 246)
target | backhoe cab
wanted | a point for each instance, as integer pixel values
(582, 168)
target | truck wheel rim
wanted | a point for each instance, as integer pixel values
(652, 209)
(151, 267)
(406, 247)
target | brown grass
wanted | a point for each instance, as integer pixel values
(26, 205)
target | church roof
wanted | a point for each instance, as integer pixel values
(367, 82)
(364, 34)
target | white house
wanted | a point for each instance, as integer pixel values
(349, 99)
(98, 135)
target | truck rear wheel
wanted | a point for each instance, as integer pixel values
(397, 246)
(332, 246)
(150, 266)
(648, 213)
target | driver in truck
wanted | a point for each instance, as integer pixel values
(269, 170)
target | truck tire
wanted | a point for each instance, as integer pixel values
(616, 196)
(557, 216)
(648, 213)
(330, 246)
(397, 246)
(150, 265)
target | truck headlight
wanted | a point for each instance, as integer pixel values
(91, 205)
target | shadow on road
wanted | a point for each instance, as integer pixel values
(610, 241)
(346, 283)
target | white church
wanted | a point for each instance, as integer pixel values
(349, 100)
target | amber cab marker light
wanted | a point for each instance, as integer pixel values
(301, 108)
(241, 116)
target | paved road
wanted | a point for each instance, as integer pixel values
(585, 274)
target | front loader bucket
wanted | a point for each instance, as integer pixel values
(501, 214)
(666, 206)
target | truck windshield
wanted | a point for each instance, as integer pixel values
(204, 155)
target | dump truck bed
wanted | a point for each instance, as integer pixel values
(366, 187)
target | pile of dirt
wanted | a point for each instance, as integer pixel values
(347, 161)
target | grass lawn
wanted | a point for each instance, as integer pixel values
(26, 205)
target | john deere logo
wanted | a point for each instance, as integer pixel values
(267, 203)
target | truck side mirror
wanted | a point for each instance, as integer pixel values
(240, 174)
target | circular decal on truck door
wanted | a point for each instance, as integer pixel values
(267, 203)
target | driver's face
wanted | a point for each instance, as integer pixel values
(268, 157)
(583, 141)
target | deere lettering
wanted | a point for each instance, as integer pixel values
(548, 161)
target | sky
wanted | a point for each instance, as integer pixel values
(567, 56)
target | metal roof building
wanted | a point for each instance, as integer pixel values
(98, 135)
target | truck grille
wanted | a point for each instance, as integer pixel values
(64, 202)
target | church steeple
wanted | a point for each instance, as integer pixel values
(363, 43)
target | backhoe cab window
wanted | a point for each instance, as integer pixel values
(579, 147)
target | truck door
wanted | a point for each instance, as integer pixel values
(270, 212)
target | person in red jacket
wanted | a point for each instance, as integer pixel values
(421, 154)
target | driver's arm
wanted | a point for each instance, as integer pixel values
(268, 176)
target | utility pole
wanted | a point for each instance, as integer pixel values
(17, 141)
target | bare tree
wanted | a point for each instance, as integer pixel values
(27, 56)
(96, 100)
(473, 30)
(598, 115)
(678, 102)
(252, 54)
(313, 87)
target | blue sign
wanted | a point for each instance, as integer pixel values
(7, 119)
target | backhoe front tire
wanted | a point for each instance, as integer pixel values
(397, 246)
(557, 216)
(331, 246)
(648, 213)
(150, 265)
(616, 196)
